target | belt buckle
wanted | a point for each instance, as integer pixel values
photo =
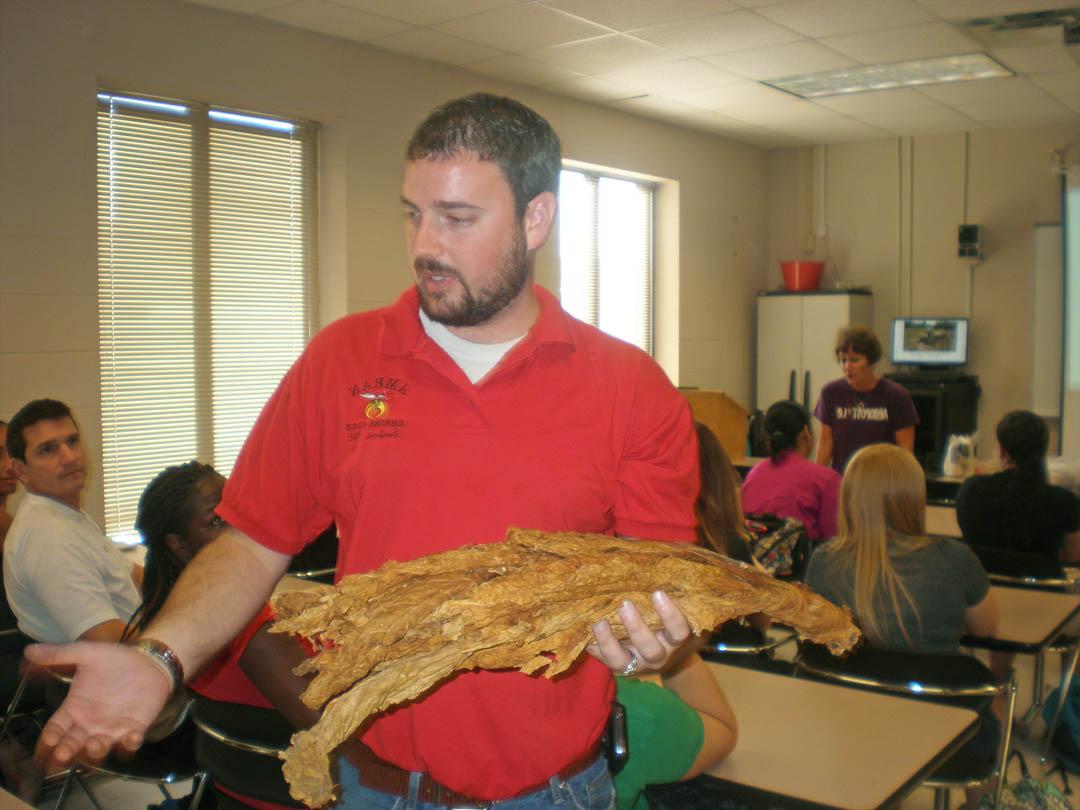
(471, 806)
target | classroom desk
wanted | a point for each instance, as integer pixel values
(819, 744)
(941, 521)
(1030, 621)
(10, 802)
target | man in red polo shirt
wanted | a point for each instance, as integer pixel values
(472, 404)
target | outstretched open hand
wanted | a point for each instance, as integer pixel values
(115, 695)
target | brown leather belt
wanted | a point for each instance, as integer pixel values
(378, 774)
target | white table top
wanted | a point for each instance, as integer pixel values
(941, 521)
(829, 744)
(1032, 617)
(10, 802)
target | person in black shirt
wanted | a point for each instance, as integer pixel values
(1016, 509)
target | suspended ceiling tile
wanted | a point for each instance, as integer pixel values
(435, 46)
(338, 21)
(427, 12)
(1059, 84)
(822, 18)
(768, 115)
(1041, 59)
(1014, 109)
(242, 6)
(741, 94)
(929, 119)
(591, 88)
(720, 33)
(832, 131)
(603, 54)
(881, 101)
(982, 90)
(1072, 102)
(901, 44)
(624, 15)
(685, 74)
(781, 60)
(521, 28)
(521, 69)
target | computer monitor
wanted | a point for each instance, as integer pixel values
(930, 342)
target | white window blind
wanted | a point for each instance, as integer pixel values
(205, 269)
(606, 253)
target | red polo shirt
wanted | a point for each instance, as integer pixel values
(377, 428)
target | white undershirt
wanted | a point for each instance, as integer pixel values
(475, 359)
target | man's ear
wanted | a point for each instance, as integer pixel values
(539, 217)
(19, 468)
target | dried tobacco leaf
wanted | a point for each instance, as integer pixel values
(528, 604)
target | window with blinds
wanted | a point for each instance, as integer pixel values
(606, 253)
(206, 264)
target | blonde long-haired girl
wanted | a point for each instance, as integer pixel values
(907, 590)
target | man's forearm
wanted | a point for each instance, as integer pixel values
(218, 593)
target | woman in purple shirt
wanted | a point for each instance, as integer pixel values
(788, 484)
(861, 407)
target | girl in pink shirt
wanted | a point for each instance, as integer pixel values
(787, 484)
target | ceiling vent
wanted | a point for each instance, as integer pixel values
(1056, 27)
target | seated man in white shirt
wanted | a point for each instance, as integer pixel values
(65, 580)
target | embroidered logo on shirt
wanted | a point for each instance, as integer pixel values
(377, 397)
(377, 407)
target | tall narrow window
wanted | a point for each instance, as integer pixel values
(606, 253)
(205, 268)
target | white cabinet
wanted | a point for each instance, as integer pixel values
(796, 334)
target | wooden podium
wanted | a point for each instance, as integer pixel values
(722, 415)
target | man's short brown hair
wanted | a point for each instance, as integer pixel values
(860, 340)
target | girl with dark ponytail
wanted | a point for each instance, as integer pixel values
(175, 519)
(1016, 508)
(787, 484)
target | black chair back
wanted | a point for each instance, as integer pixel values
(237, 746)
(1025, 569)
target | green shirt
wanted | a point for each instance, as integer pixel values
(664, 736)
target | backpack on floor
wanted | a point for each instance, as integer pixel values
(781, 545)
(1027, 793)
(1066, 740)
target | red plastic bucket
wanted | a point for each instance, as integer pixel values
(800, 276)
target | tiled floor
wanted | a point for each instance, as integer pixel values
(116, 795)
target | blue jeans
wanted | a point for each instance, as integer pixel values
(589, 790)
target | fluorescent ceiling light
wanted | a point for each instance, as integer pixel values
(962, 68)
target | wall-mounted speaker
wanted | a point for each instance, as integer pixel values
(969, 242)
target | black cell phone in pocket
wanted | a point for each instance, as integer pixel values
(615, 740)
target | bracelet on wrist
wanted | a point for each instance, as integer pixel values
(164, 657)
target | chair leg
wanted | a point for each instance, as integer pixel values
(14, 704)
(89, 793)
(1006, 738)
(1063, 692)
(65, 789)
(199, 784)
(1038, 687)
(941, 798)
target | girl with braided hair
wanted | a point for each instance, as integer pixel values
(1017, 509)
(176, 519)
(788, 484)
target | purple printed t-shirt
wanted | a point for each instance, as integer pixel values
(791, 486)
(861, 418)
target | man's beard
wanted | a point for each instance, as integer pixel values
(475, 307)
